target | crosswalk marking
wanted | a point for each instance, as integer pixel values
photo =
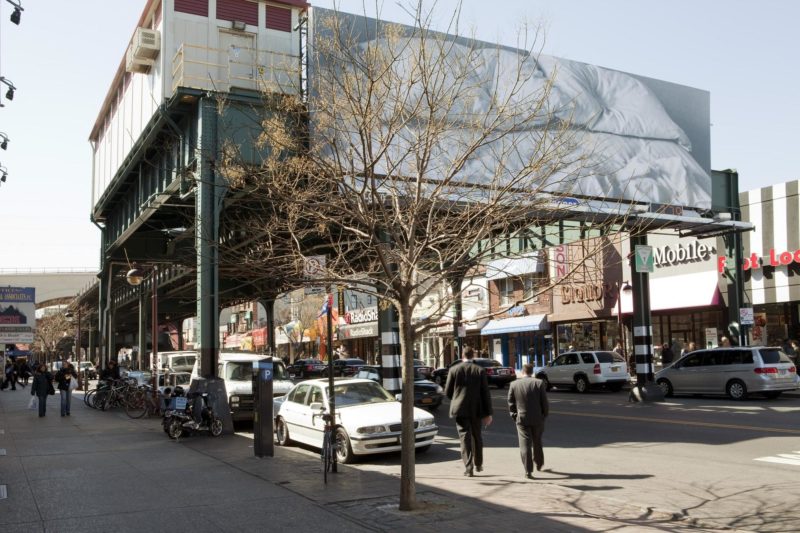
(782, 458)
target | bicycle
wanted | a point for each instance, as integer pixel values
(142, 402)
(330, 446)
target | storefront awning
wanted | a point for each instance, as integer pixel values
(698, 289)
(515, 324)
(509, 268)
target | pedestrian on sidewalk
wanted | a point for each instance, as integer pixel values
(67, 378)
(42, 387)
(527, 404)
(10, 375)
(467, 388)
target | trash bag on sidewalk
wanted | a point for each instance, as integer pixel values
(34, 403)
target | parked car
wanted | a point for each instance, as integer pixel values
(308, 368)
(422, 370)
(736, 371)
(368, 417)
(179, 361)
(497, 374)
(236, 369)
(585, 370)
(347, 367)
(427, 394)
(86, 368)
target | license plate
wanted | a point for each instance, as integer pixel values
(783, 371)
(427, 400)
(615, 369)
(503, 372)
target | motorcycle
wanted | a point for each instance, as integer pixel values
(190, 413)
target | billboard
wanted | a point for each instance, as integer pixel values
(632, 138)
(17, 314)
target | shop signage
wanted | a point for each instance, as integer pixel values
(574, 294)
(560, 261)
(681, 254)
(359, 316)
(754, 262)
(358, 331)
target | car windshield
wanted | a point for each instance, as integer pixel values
(362, 392)
(184, 380)
(239, 371)
(609, 357)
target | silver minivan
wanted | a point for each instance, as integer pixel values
(735, 371)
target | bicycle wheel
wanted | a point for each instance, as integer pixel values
(135, 406)
(327, 455)
(89, 398)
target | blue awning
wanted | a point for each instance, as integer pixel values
(515, 325)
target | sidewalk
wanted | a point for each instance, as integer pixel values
(101, 471)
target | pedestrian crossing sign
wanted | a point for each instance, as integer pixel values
(644, 260)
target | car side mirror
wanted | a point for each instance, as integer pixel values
(398, 397)
(317, 406)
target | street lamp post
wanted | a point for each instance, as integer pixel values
(623, 287)
(135, 277)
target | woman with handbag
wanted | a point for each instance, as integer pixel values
(42, 387)
(67, 379)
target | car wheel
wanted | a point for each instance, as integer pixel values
(547, 385)
(344, 452)
(772, 394)
(582, 384)
(736, 389)
(281, 432)
(616, 387)
(666, 387)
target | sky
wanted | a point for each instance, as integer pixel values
(63, 56)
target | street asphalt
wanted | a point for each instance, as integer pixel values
(101, 471)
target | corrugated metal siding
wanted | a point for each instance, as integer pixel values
(238, 10)
(279, 18)
(194, 7)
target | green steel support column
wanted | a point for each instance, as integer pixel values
(646, 389)
(209, 196)
(140, 360)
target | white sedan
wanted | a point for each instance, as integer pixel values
(367, 415)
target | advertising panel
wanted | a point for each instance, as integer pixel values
(637, 138)
(17, 314)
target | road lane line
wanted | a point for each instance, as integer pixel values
(680, 422)
(779, 460)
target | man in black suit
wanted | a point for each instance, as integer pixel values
(470, 404)
(527, 403)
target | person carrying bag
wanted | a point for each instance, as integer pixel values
(66, 378)
(42, 387)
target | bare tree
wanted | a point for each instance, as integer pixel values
(52, 333)
(416, 158)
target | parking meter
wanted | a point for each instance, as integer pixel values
(263, 444)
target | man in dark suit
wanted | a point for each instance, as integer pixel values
(527, 403)
(470, 404)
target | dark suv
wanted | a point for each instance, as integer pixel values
(347, 367)
(497, 374)
(308, 368)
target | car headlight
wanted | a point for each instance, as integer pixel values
(369, 430)
(426, 422)
(234, 401)
(439, 389)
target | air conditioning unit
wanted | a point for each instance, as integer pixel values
(135, 64)
(146, 43)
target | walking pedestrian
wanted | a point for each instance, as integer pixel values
(527, 404)
(467, 388)
(666, 355)
(42, 387)
(11, 375)
(67, 379)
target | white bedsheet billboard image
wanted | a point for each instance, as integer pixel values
(635, 138)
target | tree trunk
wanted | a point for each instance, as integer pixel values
(408, 493)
